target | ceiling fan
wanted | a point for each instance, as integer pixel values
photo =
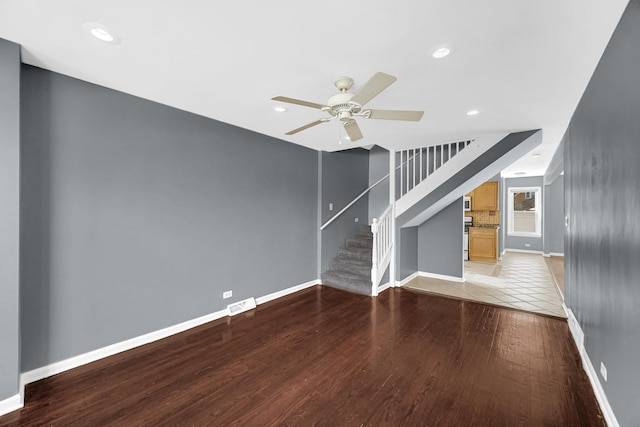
(345, 105)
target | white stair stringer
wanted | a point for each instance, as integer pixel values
(480, 161)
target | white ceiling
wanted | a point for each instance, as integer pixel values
(523, 64)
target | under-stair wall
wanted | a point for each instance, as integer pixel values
(440, 242)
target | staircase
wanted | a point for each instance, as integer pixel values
(350, 270)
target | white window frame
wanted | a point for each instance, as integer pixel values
(537, 191)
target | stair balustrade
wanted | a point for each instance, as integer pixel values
(381, 228)
(416, 164)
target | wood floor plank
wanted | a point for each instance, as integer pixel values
(327, 357)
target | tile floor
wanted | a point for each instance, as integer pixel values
(521, 281)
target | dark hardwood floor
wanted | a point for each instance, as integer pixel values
(331, 358)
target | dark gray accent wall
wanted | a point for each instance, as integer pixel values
(553, 236)
(519, 242)
(407, 255)
(602, 246)
(345, 174)
(440, 242)
(378, 168)
(9, 218)
(137, 216)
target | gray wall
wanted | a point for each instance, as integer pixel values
(602, 178)
(407, 255)
(553, 238)
(440, 242)
(137, 216)
(518, 242)
(378, 168)
(345, 174)
(9, 218)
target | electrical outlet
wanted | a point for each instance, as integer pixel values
(330, 206)
(227, 294)
(357, 219)
(603, 371)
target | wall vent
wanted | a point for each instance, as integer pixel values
(241, 306)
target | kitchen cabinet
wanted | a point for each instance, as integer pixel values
(485, 197)
(483, 244)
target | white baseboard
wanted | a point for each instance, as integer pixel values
(524, 251)
(384, 287)
(550, 254)
(11, 404)
(441, 277)
(110, 350)
(285, 292)
(578, 337)
(407, 279)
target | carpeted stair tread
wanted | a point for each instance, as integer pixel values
(350, 270)
(360, 241)
(355, 266)
(347, 281)
(362, 254)
(365, 230)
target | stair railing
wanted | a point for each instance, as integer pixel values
(416, 164)
(359, 196)
(382, 243)
(351, 203)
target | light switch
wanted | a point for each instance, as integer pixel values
(330, 206)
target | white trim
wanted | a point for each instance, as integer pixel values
(511, 191)
(523, 251)
(384, 287)
(11, 404)
(285, 292)
(392, 202)
(578, 337)
(441, 277)
(110, 350)
(406, 279)
(550, 254)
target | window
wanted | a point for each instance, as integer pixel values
(524, 211)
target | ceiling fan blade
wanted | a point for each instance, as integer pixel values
(307, 126)
(412, 116)
(353, 130)
(375, 85)
(297, 101)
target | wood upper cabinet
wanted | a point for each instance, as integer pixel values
(485, 197)
(483, 244)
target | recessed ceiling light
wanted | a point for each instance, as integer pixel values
(101, 32)
(347, 138)
(535, 155)
(280, 109)
(442, 51)
(473, 112)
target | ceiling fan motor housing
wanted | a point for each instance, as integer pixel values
(341, 107)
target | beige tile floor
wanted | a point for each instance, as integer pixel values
(521, 281)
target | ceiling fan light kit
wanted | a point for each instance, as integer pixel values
(346, 105)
